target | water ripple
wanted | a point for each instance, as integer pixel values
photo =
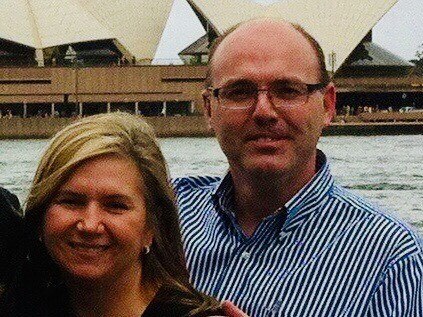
(382, 186)
(386, 169)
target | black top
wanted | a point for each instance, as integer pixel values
(168, 302)
(173, 303)
(11, 234)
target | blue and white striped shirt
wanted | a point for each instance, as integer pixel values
(333, 255)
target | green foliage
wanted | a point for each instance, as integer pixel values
(195, 60)
(51, 52)
(419, 61)
(419, 53)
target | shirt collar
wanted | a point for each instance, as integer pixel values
(223, 195)
(309, 197)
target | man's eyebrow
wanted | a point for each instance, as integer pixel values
(237, 81)
(246, 80)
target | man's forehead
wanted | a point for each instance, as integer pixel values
(267, 40)
(264, 24)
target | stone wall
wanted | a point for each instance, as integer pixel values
(191, 126)
(19, 128)
(103, 84)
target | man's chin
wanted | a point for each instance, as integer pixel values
(266, 166)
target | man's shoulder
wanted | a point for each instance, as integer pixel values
(195, 183)
(383, 222)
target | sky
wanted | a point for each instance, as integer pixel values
(400, 30)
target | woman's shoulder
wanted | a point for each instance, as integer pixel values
(173, 302)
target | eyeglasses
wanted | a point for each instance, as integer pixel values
(282, 93)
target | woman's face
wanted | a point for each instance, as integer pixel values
(95, 228)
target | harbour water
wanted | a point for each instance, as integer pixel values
(386, 169)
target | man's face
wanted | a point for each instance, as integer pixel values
(265, 138)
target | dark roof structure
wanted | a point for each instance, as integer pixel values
(376, 56)
(98, 52)
(369, 59)
(367, 55)
(199, 47)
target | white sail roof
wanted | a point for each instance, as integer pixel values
(338, 25)
(136, 24)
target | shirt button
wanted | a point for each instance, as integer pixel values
(245, 255)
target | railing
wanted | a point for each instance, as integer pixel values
(416, 115)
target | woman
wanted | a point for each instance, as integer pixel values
(103, 229)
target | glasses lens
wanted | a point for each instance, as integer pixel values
(285, 93)
(243, 94)
(285, 90)
(238, 95)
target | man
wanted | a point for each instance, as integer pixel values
(276, 235)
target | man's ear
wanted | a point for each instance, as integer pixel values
(329, 103)
(207, 108)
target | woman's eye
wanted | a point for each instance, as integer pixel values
(117, 206)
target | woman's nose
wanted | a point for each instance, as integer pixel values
(91, 219)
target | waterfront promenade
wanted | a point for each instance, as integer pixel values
(195, 126)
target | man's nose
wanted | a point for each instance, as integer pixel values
(265, 111)
(91, 219)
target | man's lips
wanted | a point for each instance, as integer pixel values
(266, 137)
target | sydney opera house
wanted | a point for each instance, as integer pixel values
(68, 58)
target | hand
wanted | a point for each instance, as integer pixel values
(231, 310)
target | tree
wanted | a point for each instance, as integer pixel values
(419, 61)
(419, 53)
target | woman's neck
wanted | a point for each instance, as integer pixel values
(126, 296)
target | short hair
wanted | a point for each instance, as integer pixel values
(324, 75)
(130, 137)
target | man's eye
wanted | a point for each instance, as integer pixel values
(237, 93)
(288, 91)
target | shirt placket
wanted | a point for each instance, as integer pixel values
(245, 253)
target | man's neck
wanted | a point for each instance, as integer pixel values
(260, 195)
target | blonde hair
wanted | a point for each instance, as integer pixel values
(116, 133)
(130, 137)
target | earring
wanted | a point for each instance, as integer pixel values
(147, 249)
(80, 225)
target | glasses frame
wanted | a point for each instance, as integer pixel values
(311, 88)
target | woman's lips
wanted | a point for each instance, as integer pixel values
(81, 246)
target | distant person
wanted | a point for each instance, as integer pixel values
(103, 230)
(276, 235)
